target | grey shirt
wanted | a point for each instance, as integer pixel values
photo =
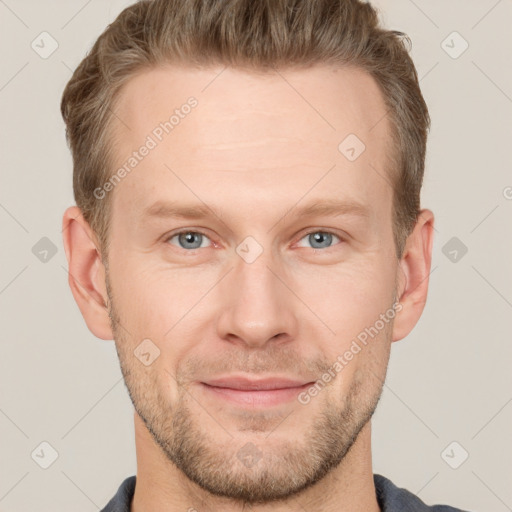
(390, 498)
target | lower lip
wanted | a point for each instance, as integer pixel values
(265, 398)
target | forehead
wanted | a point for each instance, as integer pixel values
(251, 135)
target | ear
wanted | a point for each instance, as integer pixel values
(86, 272)
(414, 273)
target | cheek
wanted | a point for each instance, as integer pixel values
(352, 296)
(358, 307)
(143, 299)
(161, 304)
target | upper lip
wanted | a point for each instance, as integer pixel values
(244, 383)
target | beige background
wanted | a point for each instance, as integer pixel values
(450, 380)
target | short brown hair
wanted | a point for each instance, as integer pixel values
(258, 35)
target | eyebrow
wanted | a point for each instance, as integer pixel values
(331, 207)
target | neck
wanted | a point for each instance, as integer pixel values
(162, 487)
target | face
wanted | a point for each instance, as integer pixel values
(219, 261)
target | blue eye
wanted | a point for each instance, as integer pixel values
(194, 239)
(189, 239)
(322, 238)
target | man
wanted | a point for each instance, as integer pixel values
(284, 141)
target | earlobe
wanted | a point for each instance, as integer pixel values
(414, 275)
(86, 272)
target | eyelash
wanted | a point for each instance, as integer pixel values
(177, 233)
(323, 232)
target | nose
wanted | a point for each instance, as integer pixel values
(257, 304)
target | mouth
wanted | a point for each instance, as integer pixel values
(263, 393)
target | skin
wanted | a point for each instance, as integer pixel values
(253, 150)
